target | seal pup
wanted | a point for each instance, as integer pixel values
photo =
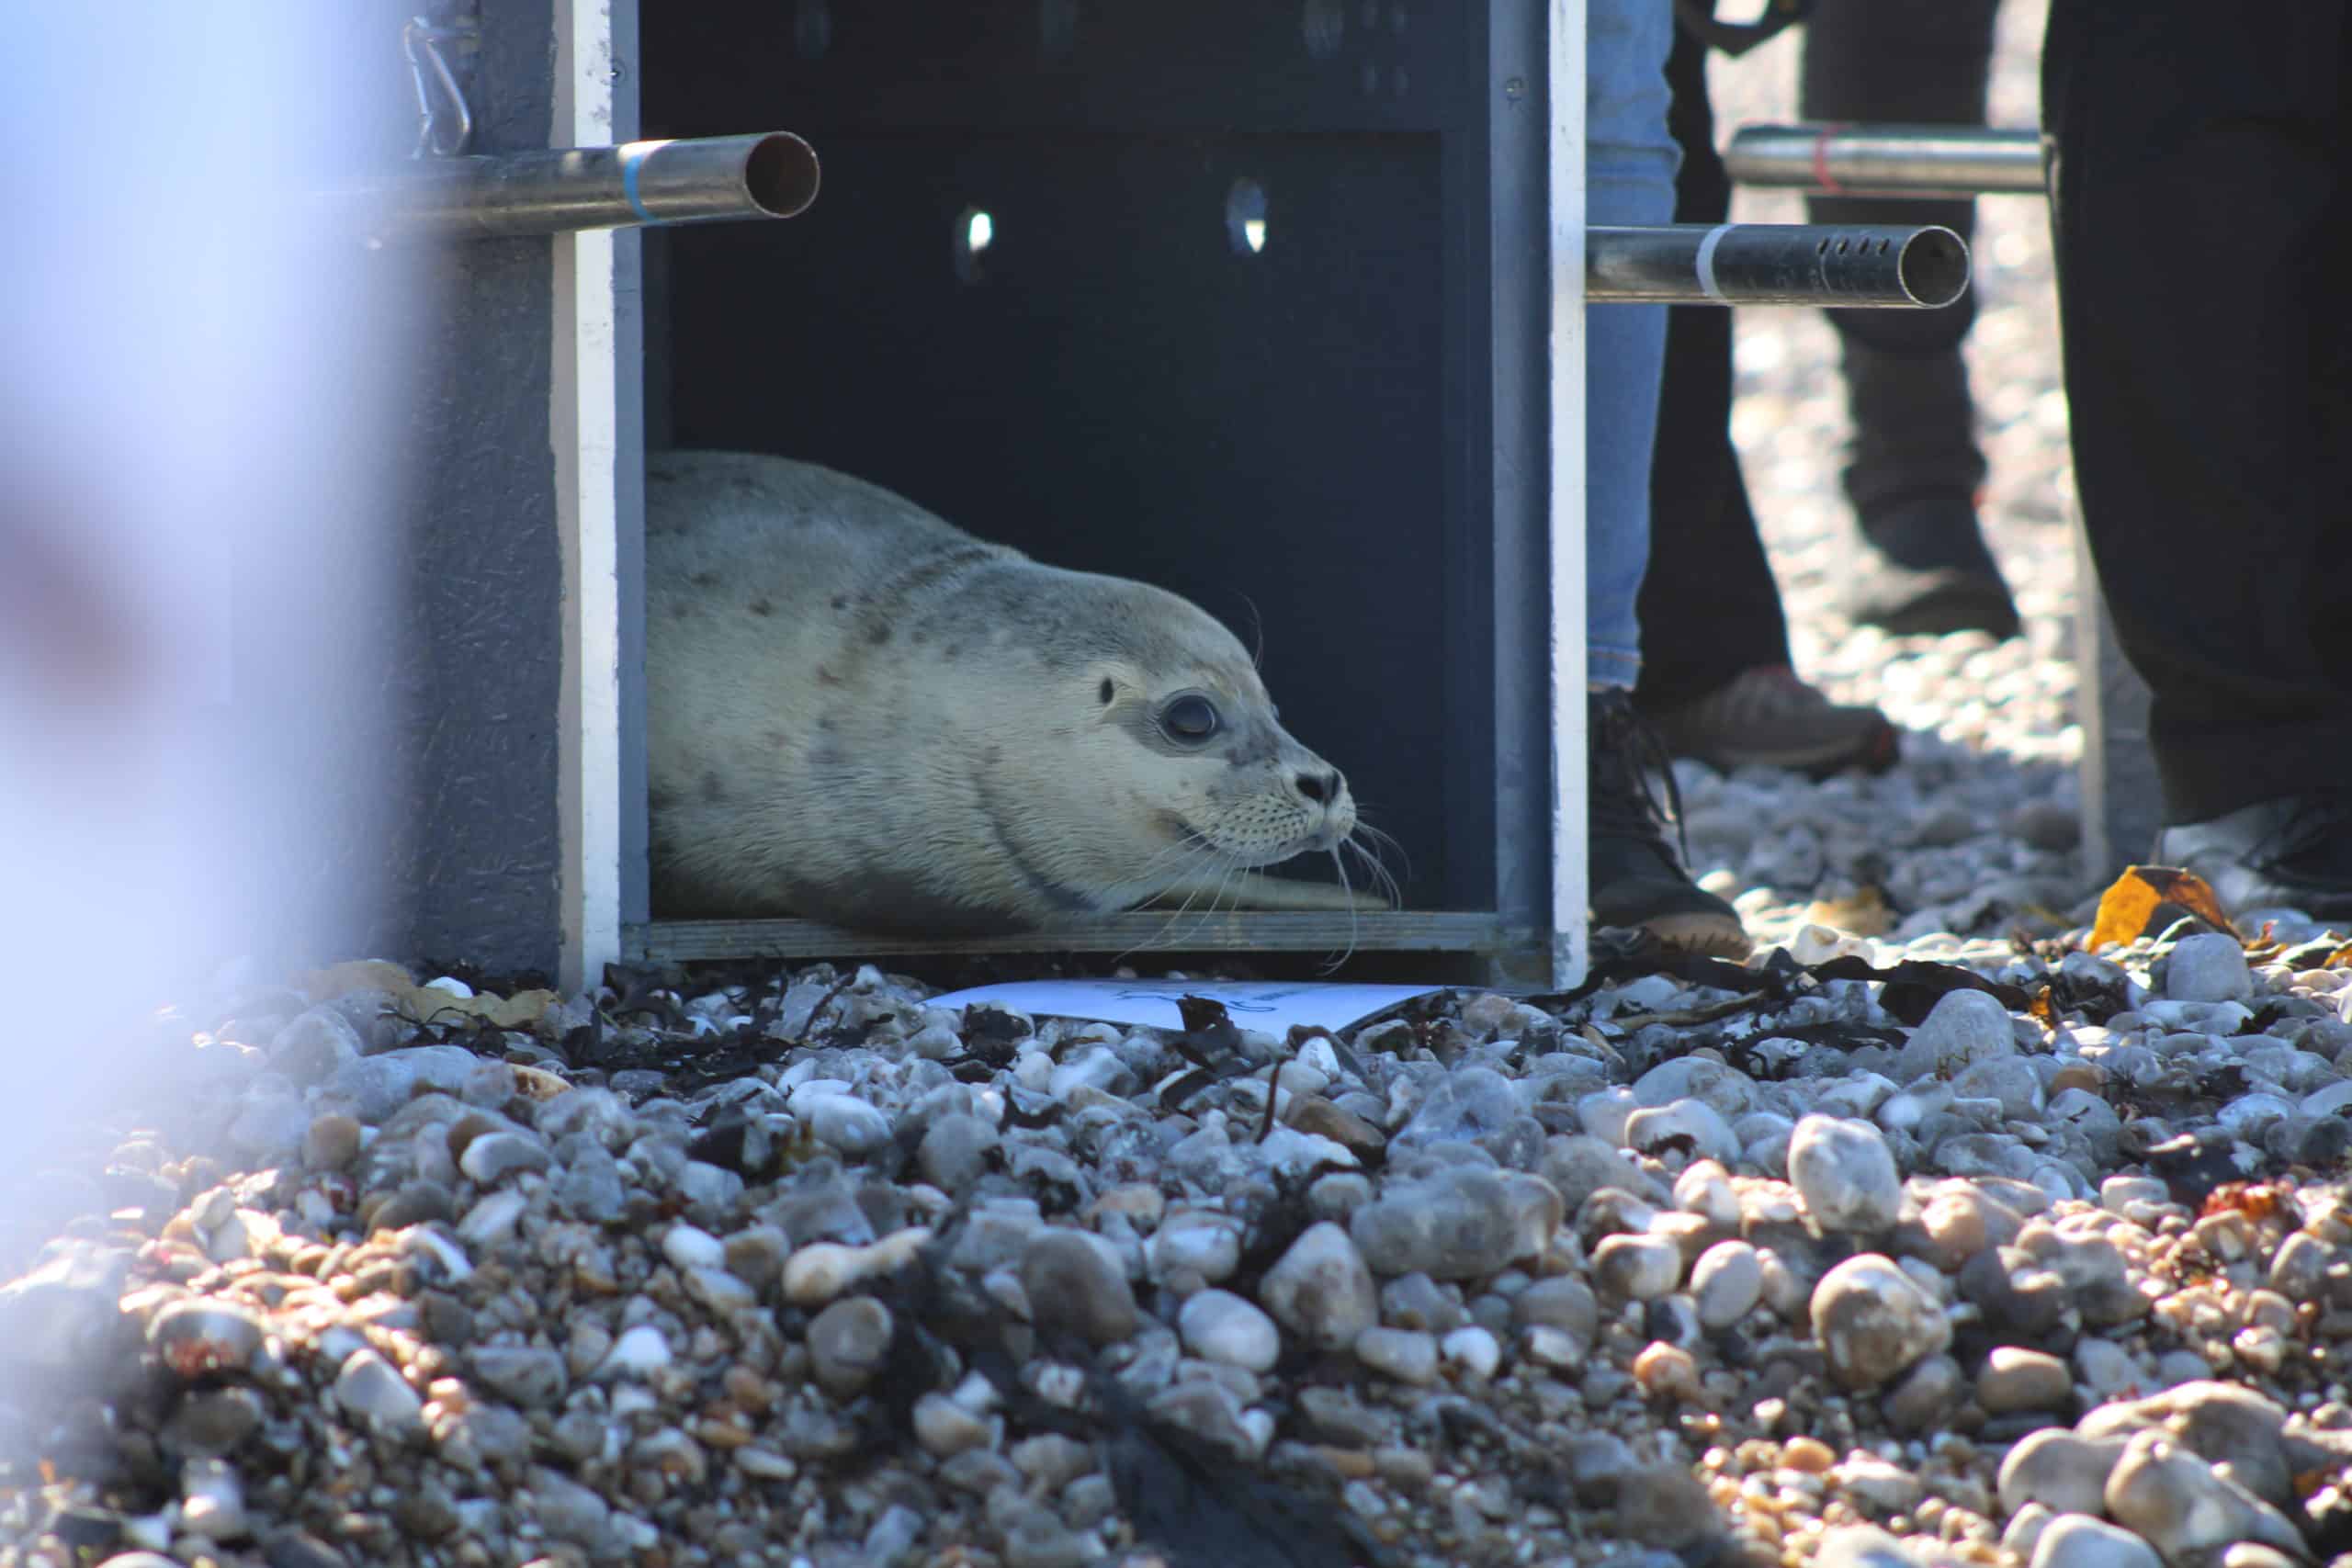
(857, 712)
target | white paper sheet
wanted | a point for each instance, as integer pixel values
(1269, 1007)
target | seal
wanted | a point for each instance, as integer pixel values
(859, 714)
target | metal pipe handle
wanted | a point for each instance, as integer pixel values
(1916, 267)
(1887, 160)
(702, 180)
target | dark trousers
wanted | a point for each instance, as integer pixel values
(1709, 607)
(2202, 213)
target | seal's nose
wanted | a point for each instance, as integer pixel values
(1321, 788)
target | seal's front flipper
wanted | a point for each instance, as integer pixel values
(1253, 890)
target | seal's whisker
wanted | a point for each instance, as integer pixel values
(1379, 841)
(1389, 889)
(1340, 865)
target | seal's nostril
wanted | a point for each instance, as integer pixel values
(1319, 787)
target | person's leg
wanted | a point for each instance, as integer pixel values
(1715, 668)
(1914, 469)
(1636, 879)
(1712, 573)
(2199, 212)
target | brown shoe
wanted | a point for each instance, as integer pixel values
(1767, 716)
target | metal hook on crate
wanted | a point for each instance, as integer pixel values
(420, 37)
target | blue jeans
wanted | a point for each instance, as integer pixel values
(1629, 164)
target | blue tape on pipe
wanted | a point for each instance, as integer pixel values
(632, 156)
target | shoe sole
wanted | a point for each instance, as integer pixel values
(1875, 754)
(1705, 936)
(1944, 611)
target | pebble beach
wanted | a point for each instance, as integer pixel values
(1975, 1219)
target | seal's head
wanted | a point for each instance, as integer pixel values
(1165, 761)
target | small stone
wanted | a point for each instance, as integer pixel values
(2016, 1379)
(1563, 1301)
(1219, 1325)
(2083, 1540)
(200, 1334)
(212, 1500)
(2207, 967)
(525, 1375)
(1874, 1322)
(848, 1343)
(1408, 1354)
(1206, 1243)
(1846, 1174)
(2061, 1470)
(1416, 1301)
(564, 1508)
(1860, 1546)
(1075, 1281)
(371, 1392)
(494, 1157)
(1473, 1349)
(2106, 1367)
(946, 1428)
(755, 1255)
(314, 1044)
(1456, 1224)
(1964, 1028)
(644, 1349)
(2300, 1266)
(1692, 1125)
(1639, 1268)
(2176, 1503)
(1726, 1283)
(290, 1548)
(1667, 1371)
(331, 1142)
(842, 1120)
(687, 1247)
(210, 1424)
(492, 1219)
(892, 1537)
(1880, 1487)
(1321, 1289)
(955, 1151)
(1927, 1396)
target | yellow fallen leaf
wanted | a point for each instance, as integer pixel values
(2126, 908)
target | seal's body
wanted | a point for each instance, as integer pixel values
(859, 714)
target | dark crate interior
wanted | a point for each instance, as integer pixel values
(1295, 434)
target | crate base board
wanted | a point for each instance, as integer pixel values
(1467, 932)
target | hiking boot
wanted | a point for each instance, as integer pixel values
(1767, 715)
(1925, 571)
(1635, 879)
(2295, 852)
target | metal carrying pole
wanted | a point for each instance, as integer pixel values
(701, 180)
(1914, 267)
(1887, 160)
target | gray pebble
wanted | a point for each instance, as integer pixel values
(1846, 1174)
(955, 1151)
(848, 1342)
(2083, 1540)
(2207, 967)
(1964, 1028)
(1640, 1267)
(331, 1142)
(1692, 1125)
(1874, 1322)
(1219, 1325)
(526, 1375)
(2015, 1379)
(1416, 1301)
(1561, 1301)
(1726, 1283)
(1408, 1354)
(1075, 1281)
(2063, 1471)
(1456, 1224)
(372, 1392)
(1321, 1289)
(493, 1156)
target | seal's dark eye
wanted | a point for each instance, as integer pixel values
(1104, 693)
(1190, 718)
